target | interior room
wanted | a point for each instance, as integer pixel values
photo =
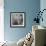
(23, 23)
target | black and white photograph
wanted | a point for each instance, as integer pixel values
(17, 19)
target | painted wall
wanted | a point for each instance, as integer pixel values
(28, 6)
(43, 6)
(1, 21)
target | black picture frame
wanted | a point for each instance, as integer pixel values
(17, 19)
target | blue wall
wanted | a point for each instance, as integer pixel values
(28, 6)
(43, 6)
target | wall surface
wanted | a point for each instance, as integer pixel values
(28, 6)
(43, 6)
(1, 20)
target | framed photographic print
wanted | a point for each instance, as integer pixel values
(17, 19)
